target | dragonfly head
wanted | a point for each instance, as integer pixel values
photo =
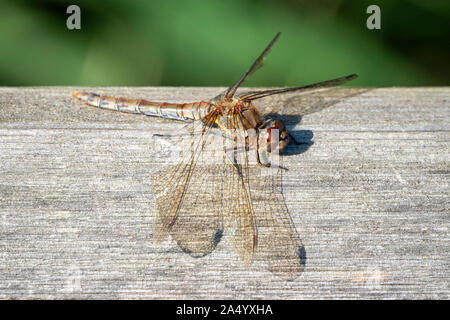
(282, 135)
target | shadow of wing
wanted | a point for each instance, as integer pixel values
(279, 244)
(300, 104)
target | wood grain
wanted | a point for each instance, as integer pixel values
(368, 192)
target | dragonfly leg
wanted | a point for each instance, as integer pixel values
(221, 126)
(263, 124)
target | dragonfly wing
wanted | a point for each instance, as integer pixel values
(303, 100)
(187, 196)
(263, 214)
(279, 244)
(308, 103)
(255, 204)
(311, 87)
(239, 213)
(195, 199)
(255, 66)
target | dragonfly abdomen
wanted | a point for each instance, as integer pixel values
(185, 111)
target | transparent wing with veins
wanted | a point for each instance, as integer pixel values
(196, 199)
(192, 202)
(185, 203)
(278, 243)
(301, 100)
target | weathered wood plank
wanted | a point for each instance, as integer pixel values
(369, 197)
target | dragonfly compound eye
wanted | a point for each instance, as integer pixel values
(277, 131)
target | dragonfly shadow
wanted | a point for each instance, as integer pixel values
(216, 239)
(291, 110)
(302, 256)
(303, 140)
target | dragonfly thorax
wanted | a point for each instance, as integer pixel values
(242, 114)
(238, 114)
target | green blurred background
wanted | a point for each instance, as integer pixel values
(211, 43)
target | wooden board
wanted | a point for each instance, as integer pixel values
(368, 192)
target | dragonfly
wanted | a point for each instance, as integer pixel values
(196, 200)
